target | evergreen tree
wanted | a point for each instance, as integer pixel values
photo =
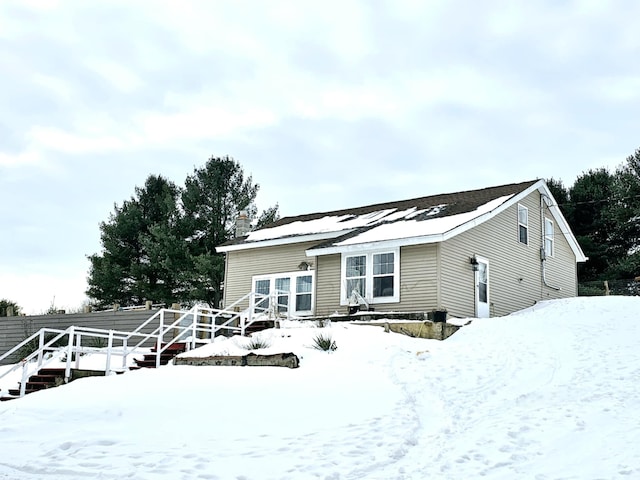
(625, 213)
(268, 216)
(140, 250)
(561, 195)
(160, 244)
(212, 198)
(590, 219)
(559, 191)
(6, 304)
(603, 210)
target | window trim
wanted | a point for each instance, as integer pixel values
(369, 276)
(292, 288)
(549, 237)
(525, 225)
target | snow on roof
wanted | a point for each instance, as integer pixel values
(419, 217)
(335, 223)
(410, 227)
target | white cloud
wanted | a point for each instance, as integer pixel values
(22, 159)
(118, 75)
(202, 123)
(55, 139)
(619, 89)
(57, 86)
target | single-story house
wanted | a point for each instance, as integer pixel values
(476, 253)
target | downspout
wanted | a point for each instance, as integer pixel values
(224, 282)
(543, 253)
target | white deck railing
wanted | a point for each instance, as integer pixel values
(166, 327)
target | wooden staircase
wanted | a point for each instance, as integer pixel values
(54, 377)
(49, 378)
(258, 326)
(149, 360)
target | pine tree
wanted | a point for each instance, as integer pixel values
(212, 198)
(160, 244)
(141, 252)
(591, 197)
(6, 304)
(625, 212)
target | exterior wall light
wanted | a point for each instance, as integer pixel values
(305, 266)
(474, 263)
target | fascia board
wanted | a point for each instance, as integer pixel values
(361, 247)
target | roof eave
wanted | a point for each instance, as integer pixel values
(384, 244)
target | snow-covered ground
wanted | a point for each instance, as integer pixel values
(552, 392)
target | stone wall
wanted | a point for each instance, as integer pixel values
(426, 329)
(289, 360)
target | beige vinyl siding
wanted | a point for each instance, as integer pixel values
(515, 274)
(328, 285)
(561, 269)
(418, 282)
(242, 265)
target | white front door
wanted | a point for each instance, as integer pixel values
(482, 289)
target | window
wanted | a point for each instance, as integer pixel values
(262, 287)
(304, 284)
(383, 275)
(374, 276)
(282, 286)
(523, 224)
(291, 291)
(548, 237)
(356, 275)
(483, 281)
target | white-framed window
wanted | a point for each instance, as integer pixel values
(373, 275)
(356, 274)
(548, 237)
(523, 224)
(282, 287)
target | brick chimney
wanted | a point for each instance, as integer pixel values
(243, 224)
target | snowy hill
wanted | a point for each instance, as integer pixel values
(550, 392)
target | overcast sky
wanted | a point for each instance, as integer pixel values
(327, 104)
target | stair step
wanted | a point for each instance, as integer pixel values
(52, 379)
(52, 371)
(149, 360)
(259, 325)
(163, 358)
(16, 391)
(150, 363)
(174, 347)
(33, 386)
(6, 398)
